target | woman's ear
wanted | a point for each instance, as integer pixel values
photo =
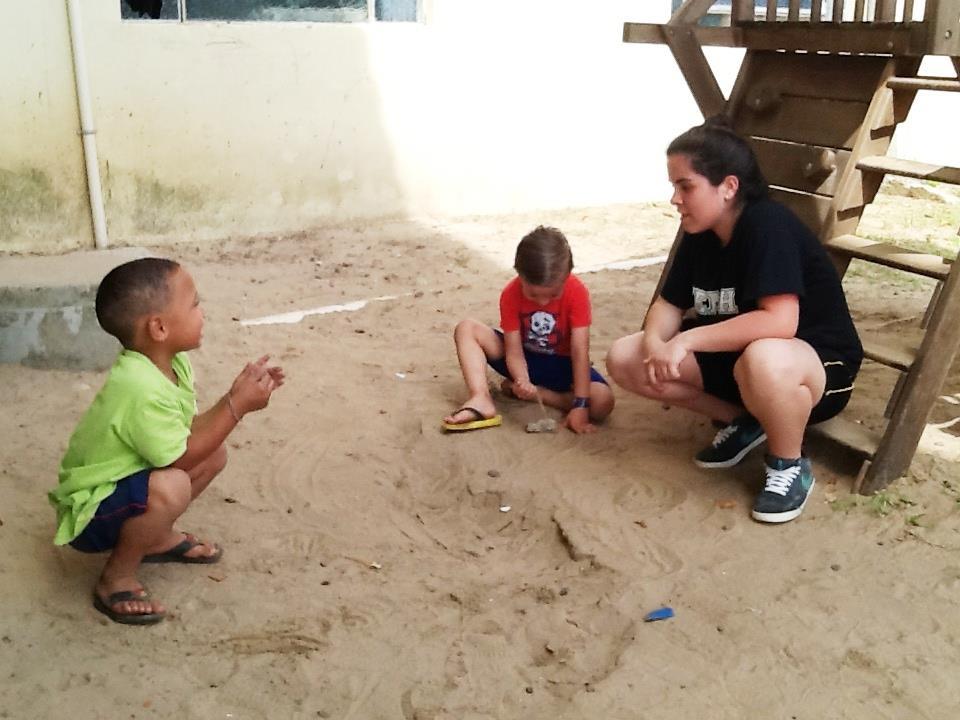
(730, 185)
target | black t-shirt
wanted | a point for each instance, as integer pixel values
(771, 252)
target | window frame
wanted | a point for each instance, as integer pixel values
(183, 17)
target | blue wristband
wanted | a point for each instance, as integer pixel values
(580, 402)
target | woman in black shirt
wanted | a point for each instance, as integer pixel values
(770, 346)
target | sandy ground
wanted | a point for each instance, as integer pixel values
(376, 568)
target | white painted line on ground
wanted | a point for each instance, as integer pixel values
(295, 316)
(625, 264)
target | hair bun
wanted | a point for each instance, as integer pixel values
(720, 122)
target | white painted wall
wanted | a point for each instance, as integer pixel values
(210, 129)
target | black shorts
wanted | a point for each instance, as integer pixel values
(717, 371)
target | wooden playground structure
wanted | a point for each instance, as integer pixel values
(820, 93)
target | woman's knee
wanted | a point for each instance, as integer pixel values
(622, 357)
(769, 362)
(169, 491)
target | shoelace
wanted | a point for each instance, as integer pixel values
(779, 481)
(723, 434)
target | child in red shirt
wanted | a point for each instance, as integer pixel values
(543, 350)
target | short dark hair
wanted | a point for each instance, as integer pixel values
(716, 151)
(543, 257)
(132, 290)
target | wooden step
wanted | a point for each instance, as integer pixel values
(909, 168)
(896, 352)
(849, 434)
(890, 255)
(924, 83)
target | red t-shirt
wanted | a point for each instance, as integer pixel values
(545, 328)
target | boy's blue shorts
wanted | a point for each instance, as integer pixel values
(127, 501)
(554, 372)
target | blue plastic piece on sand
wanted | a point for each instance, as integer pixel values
(663, 613)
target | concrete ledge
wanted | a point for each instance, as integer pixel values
(47, 317)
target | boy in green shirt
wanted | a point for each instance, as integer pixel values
(141, 453)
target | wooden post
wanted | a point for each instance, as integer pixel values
(816, 10)
(793, 13)
(771, 10)
(858, 10)
(838, 11)
(907, 11)
(885, 11)
(922, 385)
(742, 11)
(690, 12)
(686, 50)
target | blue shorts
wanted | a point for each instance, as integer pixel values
(554, 372)
(127, 501)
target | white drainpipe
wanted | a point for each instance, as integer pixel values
(87, 130)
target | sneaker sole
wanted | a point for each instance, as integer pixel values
(784, 516)
(735, 460)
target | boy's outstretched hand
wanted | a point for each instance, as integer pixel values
(256, 382)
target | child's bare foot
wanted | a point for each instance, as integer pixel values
(483, 405)
(127, 602)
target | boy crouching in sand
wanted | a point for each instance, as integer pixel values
(141, 453)
(543, 350)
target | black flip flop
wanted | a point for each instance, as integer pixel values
(178, 553)
(106, 607)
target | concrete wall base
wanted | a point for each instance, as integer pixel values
(47, 317)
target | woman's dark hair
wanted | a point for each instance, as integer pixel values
(130, 291)
(543, 257)
(716, 151)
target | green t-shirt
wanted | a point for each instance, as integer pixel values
(138, 420)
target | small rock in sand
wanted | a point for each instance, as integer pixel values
(542, 426)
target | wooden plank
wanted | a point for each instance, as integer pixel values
(890, 255)
(944, 33)
(809, 168)
(771, 10)
(848, 433)
(813, 210)
(892, 352)
(924, 83)
(837, 37)
(909, 168)
(812, 121)
(695, 69)
(837, 77)
(793, 11)
(858, 11)
(920, 390)
(903, 40)
(838, 11)
(885, 11)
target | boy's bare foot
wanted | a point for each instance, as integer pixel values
(127, 603)
(483, 405)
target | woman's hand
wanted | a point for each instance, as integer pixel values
(663, 359)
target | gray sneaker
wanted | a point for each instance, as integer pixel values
(788, 486)
(732, 443)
